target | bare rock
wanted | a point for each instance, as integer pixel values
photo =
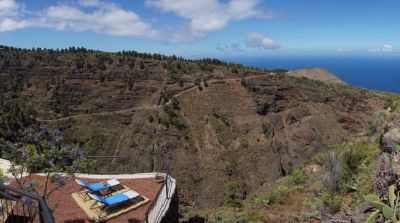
(391, 137)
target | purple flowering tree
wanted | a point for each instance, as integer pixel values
(43, 151)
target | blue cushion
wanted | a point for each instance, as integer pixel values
(97, 186)
(118, 198)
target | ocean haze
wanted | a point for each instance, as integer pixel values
(377, 72)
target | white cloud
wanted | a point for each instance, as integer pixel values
(210, 15)
(103, 17)
(91, 3)
(8, 8)
(109, 18)
(8, 24)
(388, 48)
(9, 13)
(259, 41)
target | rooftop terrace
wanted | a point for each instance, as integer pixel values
(160, 194)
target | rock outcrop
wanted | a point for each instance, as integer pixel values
(390, 140)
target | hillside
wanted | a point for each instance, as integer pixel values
(317, 73)
(221, 128)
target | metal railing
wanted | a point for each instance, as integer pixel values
(20, 206)
(159, 206)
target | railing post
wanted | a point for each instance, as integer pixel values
(166, 185)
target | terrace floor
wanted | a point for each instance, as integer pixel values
(67, 210)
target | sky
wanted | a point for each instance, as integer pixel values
(205, 28)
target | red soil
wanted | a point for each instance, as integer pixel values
(67, 210)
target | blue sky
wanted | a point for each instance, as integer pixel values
(198, 28)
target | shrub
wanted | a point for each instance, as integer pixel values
(364, 185)
(235, 193)
(313, 207)
(332, 201)
(356, 154)
(299, 177)
(253, 216)
(376, 121)
(319, 159)
(277, 195)
(393, 103)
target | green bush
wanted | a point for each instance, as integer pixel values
(298, 177)
(253, 216)
(332, 201)
(277, 195)
(393, 103)
(319, 159)
(353, 156)
(363, 185)
(313, 208)
(376, 121)
(234, 195)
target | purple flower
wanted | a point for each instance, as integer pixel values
(77, 153)
(58, 136)
(19, 150)
(30, 135)
(64, 148)
(31, 185)
(59, 179)
(43, 127)
(43, 131)
(15, 146)
(26, 201)
(24, 153)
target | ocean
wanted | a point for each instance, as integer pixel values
(377, 72)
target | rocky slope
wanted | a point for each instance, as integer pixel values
(317, 73)
(211, 123)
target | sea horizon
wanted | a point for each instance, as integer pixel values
(375, 72)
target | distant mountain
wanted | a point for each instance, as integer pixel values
(317, 73)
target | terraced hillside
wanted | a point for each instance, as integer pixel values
(215, 123)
